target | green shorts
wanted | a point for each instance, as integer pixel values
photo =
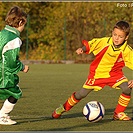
(14, 92)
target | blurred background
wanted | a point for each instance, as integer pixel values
(54, 30)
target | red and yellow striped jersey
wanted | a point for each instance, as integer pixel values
(109, 60)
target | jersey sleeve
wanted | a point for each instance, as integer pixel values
(11, 56)
(129, 57)
(12, 62)
(93, 46)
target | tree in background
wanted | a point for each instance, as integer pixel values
(56, 29)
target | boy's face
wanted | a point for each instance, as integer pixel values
(118, 36)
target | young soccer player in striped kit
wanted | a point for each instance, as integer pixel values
(111, 55)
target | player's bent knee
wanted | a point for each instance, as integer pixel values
(127, 91)
(12, 100)
(82, 93)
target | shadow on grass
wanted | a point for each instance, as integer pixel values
(33, 119)
(71, 127)
(65, 116)
(106, 120)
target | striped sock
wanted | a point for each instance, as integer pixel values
(123, 102)
(70, 102)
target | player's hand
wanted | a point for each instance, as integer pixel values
(79, 51)
(26, 69)
(130, 84)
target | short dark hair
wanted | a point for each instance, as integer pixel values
(123, 25)
(14, 16)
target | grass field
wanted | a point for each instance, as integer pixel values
(47, 86)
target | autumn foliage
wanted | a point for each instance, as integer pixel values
(56, 29)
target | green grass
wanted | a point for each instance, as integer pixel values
(47, 86)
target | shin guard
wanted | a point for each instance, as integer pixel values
(70, 102)
(123, 102)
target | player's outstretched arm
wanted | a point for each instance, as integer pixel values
(130, 84)
(79, 51)
(26, 69)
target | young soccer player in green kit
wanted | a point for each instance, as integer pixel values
(10, 64)
(111, 55)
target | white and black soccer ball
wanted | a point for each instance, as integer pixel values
(93, 111)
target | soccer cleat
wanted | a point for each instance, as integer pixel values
(121, 116)
(6, 121)
(58, 112)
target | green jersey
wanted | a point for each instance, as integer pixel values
(10, 64)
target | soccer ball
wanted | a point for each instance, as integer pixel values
(93, 111)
